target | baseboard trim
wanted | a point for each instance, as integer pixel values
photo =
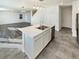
(66, 28)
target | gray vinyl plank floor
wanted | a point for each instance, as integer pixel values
(64, 46)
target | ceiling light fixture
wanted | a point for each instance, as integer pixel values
(23, 9)
(35, 5)
(41, 0)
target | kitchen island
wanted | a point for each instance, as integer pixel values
(35, 38)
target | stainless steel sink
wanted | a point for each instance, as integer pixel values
(42, 27)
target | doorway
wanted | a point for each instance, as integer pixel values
(65, 17)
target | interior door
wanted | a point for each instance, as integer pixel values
(77, 28)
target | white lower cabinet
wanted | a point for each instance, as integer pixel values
(34, 45)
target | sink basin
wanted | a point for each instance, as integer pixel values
(42, 27)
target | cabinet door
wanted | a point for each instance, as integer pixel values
(47, 38)
(38, 46)
(41, 41)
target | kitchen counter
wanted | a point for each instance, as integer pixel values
(33, 30)
(35, 40)
(9, 32)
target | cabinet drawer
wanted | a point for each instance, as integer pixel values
(42, 34)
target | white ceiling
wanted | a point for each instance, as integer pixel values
(30, 3)
(16, 3)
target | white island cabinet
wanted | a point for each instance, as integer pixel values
(35, 40)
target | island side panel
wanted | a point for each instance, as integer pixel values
(28, 46)
(22, 42)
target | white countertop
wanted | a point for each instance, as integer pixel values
(32, 30)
